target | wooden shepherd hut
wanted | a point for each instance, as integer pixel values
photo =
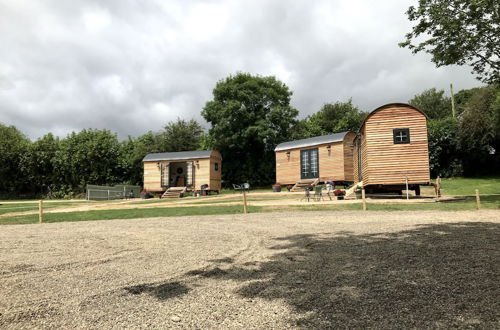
(391, 149)
(314, 160)
(175, 173)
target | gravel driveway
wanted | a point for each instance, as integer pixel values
(271, 270)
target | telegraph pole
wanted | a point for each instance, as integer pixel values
(452, 101)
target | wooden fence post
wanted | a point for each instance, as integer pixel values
(245, 208)
(478, 200)
(364, 198)
(40, 211)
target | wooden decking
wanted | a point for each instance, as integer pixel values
(174, 192)
(301, 185)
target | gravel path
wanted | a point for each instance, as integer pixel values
(272, 270)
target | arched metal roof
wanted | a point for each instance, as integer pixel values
(178, 155)
(311, 141)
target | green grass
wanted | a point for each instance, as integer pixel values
(487, 202)
(127, 214)
(33, 206)
(467, 186)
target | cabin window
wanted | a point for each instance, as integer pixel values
(309, 165)
(401, 135)
(216, 166)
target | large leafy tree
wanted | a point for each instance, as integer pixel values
(445, 158)
(180, 135)
(249, 116)
(458, 32)
(479, 131)
(433, 103)
(333, 118)
(40, 164)
(90, 156)
(13, 150)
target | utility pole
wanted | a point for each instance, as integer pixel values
(452, 101)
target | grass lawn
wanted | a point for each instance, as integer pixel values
(33, 206)
(467, 186)
(126, 214)
(487, 202)
(489, 188)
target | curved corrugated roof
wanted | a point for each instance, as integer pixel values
(337, 137)
(178, 155)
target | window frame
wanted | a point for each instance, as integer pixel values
(396, 131)
(306, 170)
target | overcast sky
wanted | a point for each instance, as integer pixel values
(131, 66)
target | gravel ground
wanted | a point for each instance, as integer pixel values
(273, 270)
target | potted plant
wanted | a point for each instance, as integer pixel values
(276, 187)
(340, 193)
(289, 187)
(145, 194)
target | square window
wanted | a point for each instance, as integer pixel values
(401, 135)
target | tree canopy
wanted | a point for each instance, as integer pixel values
(180, 135)
(461, 32)
(334, 118)
(433, 103)
(249, 116)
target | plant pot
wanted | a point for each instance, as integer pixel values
(276, 188)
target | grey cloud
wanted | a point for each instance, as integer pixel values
(133, 66)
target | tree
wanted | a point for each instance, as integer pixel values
(433, 103)
(479, 134)
(180, 135)
(249, 116)
(334, 118)
(40, 166)
(445, 158)
(13, 148)
(90, 156)
(458, 32)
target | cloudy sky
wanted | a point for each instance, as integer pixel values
(131, 66)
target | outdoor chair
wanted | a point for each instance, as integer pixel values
(307, 194)
(318, 193)
(241, 187)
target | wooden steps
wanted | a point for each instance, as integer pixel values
(352, 189)
(301, 185)
(174, 192)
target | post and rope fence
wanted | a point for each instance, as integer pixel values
(363, 196)
(478, 200)
(245, 207)
(40, 211)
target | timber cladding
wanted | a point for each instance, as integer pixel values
(384, 161)
(205, 170)
(334, 161)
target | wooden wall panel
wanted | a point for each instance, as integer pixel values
(204, 173)
(348, 156)
(387, 163)
(355, 161)
(152, 177)
(331, 163)
(215, 175)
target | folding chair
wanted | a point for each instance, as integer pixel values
(318, 193)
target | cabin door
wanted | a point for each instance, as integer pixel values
(190, 175)
(164, 174)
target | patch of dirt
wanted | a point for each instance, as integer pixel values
(348, 269)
